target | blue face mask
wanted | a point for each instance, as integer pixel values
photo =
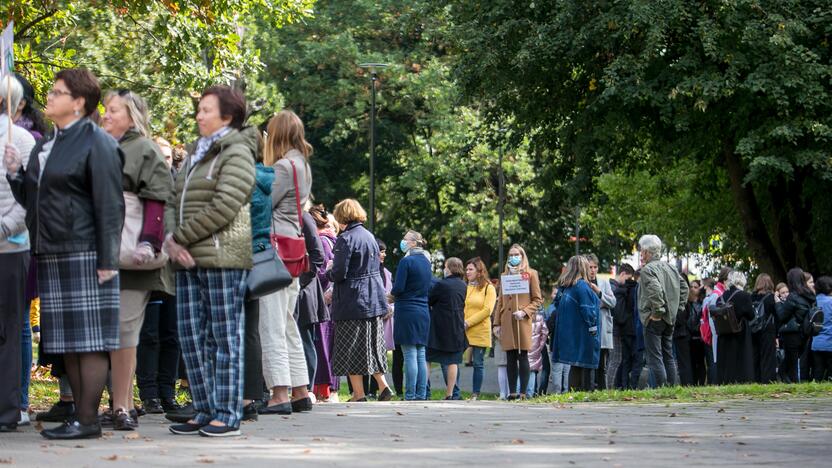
(403, 245)
(514, 260)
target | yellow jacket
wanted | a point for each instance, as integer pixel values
(34, 313)
(479, 304)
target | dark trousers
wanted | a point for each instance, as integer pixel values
(632, 361)
(398, 370)
(709, 361)
(307, 337)
(580, 379)
(13, 268)
(792, 344)
(253, 381)
(599, 377)
(157, 356)
(822, 369)
(658, 352)
(518, 364)
(545, 372)
(805, 361)
(765, 355)
(698, 361)
(681, 345)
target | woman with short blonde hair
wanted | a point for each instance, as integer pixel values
(358, 303)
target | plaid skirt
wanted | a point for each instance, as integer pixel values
(77, 315)
(359, 347)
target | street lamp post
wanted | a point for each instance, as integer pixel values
(372, 67)
(501, 206)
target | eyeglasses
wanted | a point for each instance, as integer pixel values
(58, 93)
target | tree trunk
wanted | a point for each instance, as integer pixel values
(754, 228)
(801, 208)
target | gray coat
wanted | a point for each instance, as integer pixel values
(607, 302)
(284, 203)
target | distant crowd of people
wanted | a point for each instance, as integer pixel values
(129, 264)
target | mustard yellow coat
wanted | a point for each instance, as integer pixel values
(479, 305)
(509, 327)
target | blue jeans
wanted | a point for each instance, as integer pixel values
(415, 372)
(26, 375)
(478, 356)
(560, 377)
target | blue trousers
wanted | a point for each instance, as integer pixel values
(210, 322)
(415, 372)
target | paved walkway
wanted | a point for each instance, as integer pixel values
(779, 433)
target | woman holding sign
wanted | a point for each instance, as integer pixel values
(518, 303)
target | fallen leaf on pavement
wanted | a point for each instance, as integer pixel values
(672, 415)
(399, 413)
(204, 460)
(307, 451)
(111, 458)
(721, 410)
(341, 414)
(132, 436)
(6, 461)
(518, 442)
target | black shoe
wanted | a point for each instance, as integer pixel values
(10, 427)
(280, 408)
(304, 404)
(124, 421)
(185, 428)
(59, 412)
(385, 395)
(136, 412)
(169, 404)
(219, 431)
(359, 400)
(106, 418)
(181, 415)
(250, 412)
(73, 430)
(153, 406)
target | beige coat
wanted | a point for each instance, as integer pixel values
(509, 327)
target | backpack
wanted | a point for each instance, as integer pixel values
(724, 316)
(760, 321)
(694, 321)
(813, 322)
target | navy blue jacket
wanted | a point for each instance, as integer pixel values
(411, 288)
(358, 288)
(447, 315)
(578, 311)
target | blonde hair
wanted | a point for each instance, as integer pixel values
(576, 268)
(136, 109)
(349, 211)
(524, 260)
(417, 238)
(285, 133)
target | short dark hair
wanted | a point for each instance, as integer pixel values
(723, 274)
(232, 103)
(626, 268)
(824, 285)
(82, 84)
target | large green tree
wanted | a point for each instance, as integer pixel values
(742, 87)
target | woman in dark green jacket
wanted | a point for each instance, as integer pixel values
(146, 176)
(209, 226)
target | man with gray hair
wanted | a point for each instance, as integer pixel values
(662, 294)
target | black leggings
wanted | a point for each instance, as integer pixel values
(517, 359)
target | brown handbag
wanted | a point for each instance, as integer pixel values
(292, 249)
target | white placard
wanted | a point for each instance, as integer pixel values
(515, 284)
(6, 49)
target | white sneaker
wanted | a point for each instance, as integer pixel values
(24, 418)
(313, 398)
(333, 398)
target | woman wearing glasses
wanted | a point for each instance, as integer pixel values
(71, 189)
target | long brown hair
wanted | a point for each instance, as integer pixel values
(482, 273)
(764, 284)
(285, 133)
(577, 268)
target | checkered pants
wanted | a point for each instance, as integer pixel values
(209, 304)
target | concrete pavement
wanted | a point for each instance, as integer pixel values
(735, 433)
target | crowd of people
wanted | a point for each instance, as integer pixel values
(140, 266)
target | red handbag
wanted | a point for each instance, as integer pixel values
(291, 249)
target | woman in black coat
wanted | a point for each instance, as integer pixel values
(790, 316)
(765, 340)
(735, 361)
(446, 341)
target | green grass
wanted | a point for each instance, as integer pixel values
(696, 394)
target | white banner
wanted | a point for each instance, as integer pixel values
(515, 284)
(6, 49)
